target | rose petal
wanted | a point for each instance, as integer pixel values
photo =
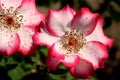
(32, 50)
(94, 52)
(54, 57)
(44, 38)
(6, 4)
(30, 14)
(82, 70)
(9, 42)
(59, 21)
(71, 60)
(98, 35)
(26, 41)
(52, 63)
(56, 52)
(84, 21)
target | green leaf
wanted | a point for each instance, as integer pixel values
(44, 50)
(3, 61)
(36, 57)
(10, 60)
(16, 74)
(27, 67)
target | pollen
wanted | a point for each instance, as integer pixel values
(72, 41)
(10, 18)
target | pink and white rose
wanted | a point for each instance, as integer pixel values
(74, 39)
(18, 21)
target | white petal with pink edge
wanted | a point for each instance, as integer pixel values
(71, 60)
(94, 52)
(26, 40)
(82, 70)
(44, 38)
(56, 52)
(84, 21)
(9, 42)
(54, 57)
(59, 21)
(10, 3)
(98, 35)
(31, 16)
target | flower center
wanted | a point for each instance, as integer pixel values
(10, 19)
(72, 41)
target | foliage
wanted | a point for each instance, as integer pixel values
(18, 67)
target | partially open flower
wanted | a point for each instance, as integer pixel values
(18, 19)
(75, 40)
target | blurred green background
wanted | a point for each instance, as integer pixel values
(18, 67)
